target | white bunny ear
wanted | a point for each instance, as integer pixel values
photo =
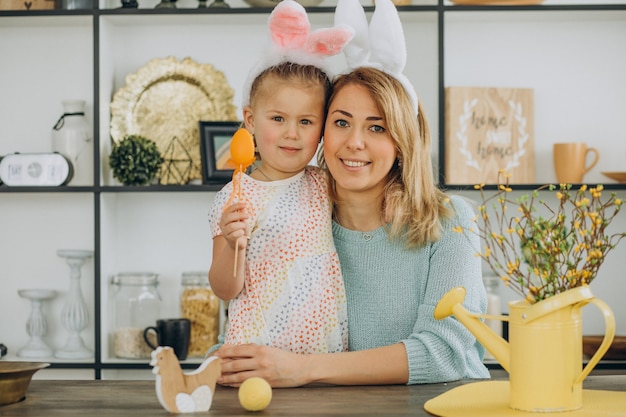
(351, 13)
(382, 46)
(387, 37)
(389, 45)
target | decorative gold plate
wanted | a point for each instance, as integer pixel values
(617, 176)
(164, 101)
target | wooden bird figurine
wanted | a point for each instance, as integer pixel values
(184, 392)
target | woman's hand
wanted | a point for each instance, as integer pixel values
(278, 367)
(233, 225)
(379, 366)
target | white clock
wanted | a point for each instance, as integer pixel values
(35, 169)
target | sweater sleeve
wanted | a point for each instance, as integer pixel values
(444, 350)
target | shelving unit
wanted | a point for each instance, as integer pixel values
(571, 54)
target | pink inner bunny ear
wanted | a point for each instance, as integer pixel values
(329, 41)
(289, 25)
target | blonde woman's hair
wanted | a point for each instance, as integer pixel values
(413, 205)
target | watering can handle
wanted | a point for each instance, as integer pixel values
(609, 334)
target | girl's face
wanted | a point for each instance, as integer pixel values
(286, 119)
(358, 150)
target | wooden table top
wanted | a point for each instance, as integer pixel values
(108, 398)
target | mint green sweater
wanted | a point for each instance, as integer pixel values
(392, 293)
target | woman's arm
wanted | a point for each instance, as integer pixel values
(226, 280)
(444, 350)
(380, 366)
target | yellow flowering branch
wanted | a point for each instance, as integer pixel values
(539, 256)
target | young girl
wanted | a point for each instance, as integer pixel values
(287, 291)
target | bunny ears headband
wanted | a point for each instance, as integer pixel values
(381, 46)
(293, 41)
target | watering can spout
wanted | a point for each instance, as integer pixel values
(451, 304)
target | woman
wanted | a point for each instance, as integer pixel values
(393, 232)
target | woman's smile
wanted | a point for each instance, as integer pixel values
(353, 163)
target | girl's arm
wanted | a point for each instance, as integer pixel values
(379, 366)
(225, 283)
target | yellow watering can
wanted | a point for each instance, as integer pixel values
(544, 354)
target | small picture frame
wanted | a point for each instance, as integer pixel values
(215, 140)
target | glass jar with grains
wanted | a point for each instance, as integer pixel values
(199, 304)
(137, 306)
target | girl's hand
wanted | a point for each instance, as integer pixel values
(233, 225)
(278, 367)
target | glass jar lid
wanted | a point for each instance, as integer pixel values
(195, 278)
(491, 281)
(135, 278)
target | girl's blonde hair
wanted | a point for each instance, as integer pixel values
(308, 75)
(413, 205)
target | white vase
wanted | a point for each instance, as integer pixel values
(74, 315)
(72, 138)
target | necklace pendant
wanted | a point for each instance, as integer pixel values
(367, 236)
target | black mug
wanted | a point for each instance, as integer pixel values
(171, 332)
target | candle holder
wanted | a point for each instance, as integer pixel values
(36, 325)
(166, 4)
(219, 3)
(74, 315)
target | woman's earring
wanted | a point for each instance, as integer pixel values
(399, 163)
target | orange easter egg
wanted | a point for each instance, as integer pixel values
(242, 148)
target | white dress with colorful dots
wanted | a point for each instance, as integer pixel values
(293, 296)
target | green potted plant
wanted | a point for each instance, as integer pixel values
(135, 160)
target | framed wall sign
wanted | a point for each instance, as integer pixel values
(489, 129)
(215, 140)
